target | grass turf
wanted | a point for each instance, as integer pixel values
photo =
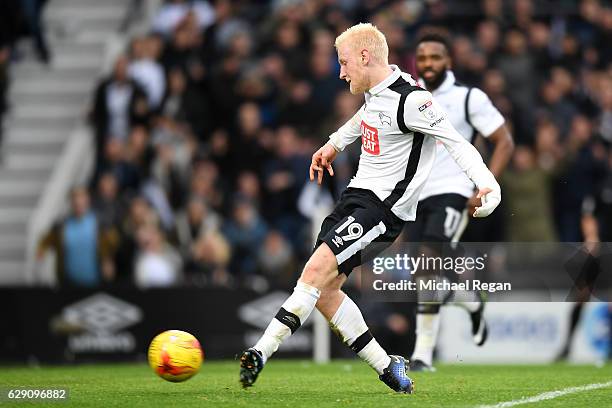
(286, 383)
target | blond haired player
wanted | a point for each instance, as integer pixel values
(399, 124)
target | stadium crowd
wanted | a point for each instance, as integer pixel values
(205, 128)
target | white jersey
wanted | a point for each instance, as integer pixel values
(399, 124)
(470, 111)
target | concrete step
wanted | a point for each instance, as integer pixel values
(85, 3)
(13, 247)
(89, 11)
(44, 161)
(104, 23)
(42, 123)
(77, 59)
(45, 99)
(31, 135)
(78, 47)
(12, 240)
(41, 86)
(15, 228)
(69, 73)
(41, 147)
(17, 187)
(15, 215)
(46, 112)
(12, 200)
(93, 28)
(31, 182)
(12, 273)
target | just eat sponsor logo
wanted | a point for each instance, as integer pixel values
(369, 139)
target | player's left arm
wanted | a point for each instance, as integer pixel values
(490, 123)
(423, 114)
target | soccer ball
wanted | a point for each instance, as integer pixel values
(175, 355)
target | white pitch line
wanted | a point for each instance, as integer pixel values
(548, 395)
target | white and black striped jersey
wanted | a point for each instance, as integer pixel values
(469, 110)
(399, 124)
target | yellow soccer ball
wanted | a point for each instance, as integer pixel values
(175, 355)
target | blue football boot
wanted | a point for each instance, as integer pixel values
(395, 375)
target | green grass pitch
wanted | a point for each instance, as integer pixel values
(286, 383)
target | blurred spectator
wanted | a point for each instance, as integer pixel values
(596, 223)
(324, 79)
(183, 51)
(276, 260)
(518, 68)
(197, 221)
(172, 12)
(248, 188)
(223, 79)
(605, 118)
(32, 10)
(585, 170)
(206, 184)
(283, 178)
(107, 202)
(245, 231)
(138, 215)
(488, 40)
(83, 248)
(539, 45)
(157, 263)
(146, 71)
(559, 109)
(119, 103)
(128, 161)
(210, 258)
(248, 151)
(184, 109)
(527, 186)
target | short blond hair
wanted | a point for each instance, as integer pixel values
(366, 35)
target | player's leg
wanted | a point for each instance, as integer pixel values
(364, 225)
(318, 272)
(440, 221)
(347, 322)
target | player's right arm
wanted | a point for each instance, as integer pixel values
(347, 134)
(338, 141)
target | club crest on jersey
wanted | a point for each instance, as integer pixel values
(369, 139)
(428, 110)
(384, 119)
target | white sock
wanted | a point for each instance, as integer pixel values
(350, 326)
(427, 327)
(292, 314)
(466, 300)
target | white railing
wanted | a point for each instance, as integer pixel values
(74, 167)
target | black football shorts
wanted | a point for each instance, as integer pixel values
(358, 220)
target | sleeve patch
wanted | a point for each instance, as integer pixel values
(425, 106)
(428, 110)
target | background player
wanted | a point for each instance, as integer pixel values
(448, 195)
(397, 123)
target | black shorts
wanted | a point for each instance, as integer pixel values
(440, 218)
(358, 220)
